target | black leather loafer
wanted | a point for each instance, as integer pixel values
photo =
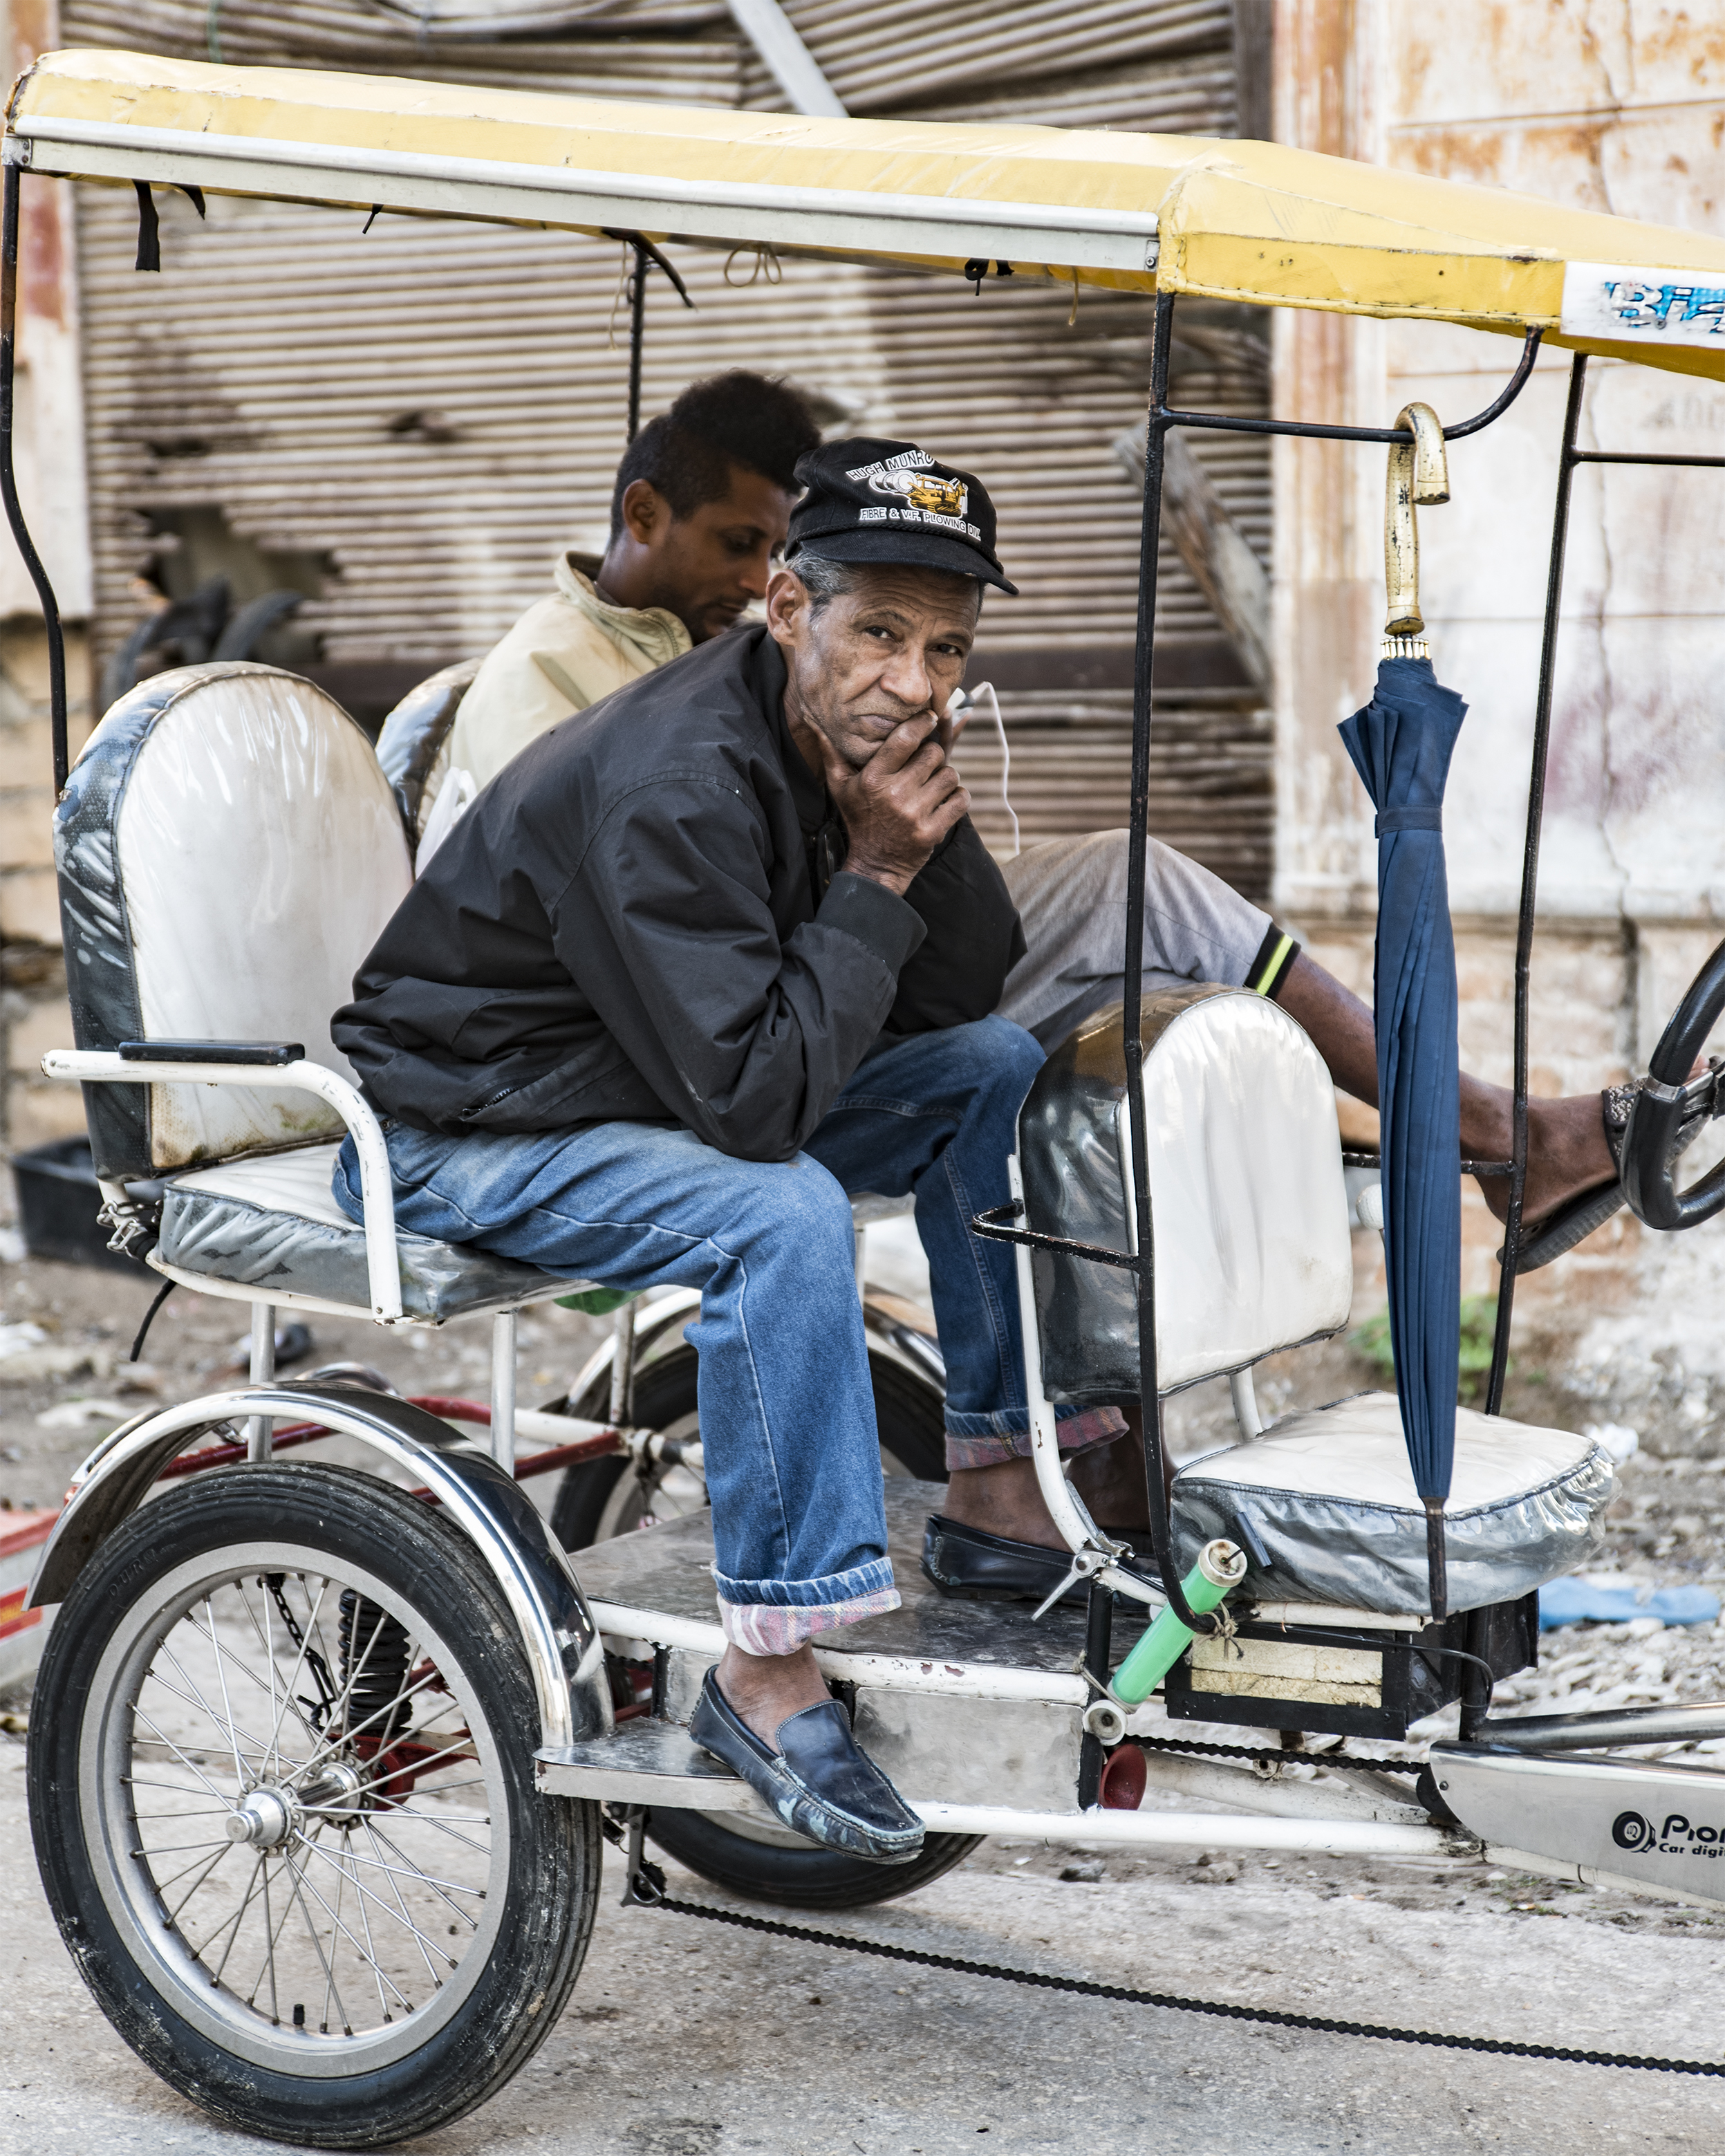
(966, 1561)
(821, 1783)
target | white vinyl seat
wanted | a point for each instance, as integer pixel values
(1324, 1504)
(271, 1224)
(1254, 1255)
(228, 849)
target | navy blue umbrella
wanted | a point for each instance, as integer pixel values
(1401, 744)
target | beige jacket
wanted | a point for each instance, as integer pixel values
(564, 653)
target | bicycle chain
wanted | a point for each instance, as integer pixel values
(647, 1891)
(1260, 1758)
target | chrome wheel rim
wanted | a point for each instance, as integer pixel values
(304, 1842)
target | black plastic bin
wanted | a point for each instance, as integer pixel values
(58, 1202)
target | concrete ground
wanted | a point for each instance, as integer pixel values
(683, 2039)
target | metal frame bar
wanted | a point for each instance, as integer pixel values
(1530, 881)
(736, 215)
(89, 1067)
(9, 190)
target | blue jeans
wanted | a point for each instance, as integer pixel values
(787, 1416)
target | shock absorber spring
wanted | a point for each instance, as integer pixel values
(374, 1671)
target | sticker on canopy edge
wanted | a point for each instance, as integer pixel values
(1639, 305)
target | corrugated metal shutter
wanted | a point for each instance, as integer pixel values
(430, 412)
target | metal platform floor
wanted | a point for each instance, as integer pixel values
(668, 1570)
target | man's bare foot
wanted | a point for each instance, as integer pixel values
(1566, 1151)
(764, 1690)
(1006, 1500)
(1110, 1478)
(1003, 1499)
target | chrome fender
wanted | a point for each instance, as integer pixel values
(490, 1508)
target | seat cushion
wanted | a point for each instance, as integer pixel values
(1248, 1202)
(1324, 1505)
(270, 1222)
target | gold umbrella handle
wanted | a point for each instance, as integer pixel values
(1418, 472)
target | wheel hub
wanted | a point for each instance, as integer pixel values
(263, 1817)
(335, 1793)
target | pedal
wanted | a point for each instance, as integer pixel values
(1639, 1823)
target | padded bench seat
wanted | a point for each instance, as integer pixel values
(1324, 1505)
(270, 1222)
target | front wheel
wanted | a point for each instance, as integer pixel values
(281, 1789)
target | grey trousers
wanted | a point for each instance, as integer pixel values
(1070, 894)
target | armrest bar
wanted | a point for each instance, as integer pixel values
(279, 1052)
(86, 1066)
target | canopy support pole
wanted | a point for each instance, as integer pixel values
(9, 190)
(1566, 461)
(1144, 1269)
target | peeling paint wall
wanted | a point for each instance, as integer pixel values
(1612, 107)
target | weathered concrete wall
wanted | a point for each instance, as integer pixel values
(1618, 108)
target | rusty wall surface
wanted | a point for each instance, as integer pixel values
(1612, 107)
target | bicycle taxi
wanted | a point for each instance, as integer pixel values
(327, 1750)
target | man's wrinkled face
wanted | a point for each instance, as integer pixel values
(706, 568)
(894, 648)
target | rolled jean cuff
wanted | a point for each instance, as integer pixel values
(987, 1440)
(775, 1616)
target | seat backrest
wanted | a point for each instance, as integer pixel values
(228, 851)
(411, 747)
(1253, 1246)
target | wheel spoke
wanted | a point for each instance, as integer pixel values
(407, 1869)
(222, 1679)
(300, 1883)
(235, 1921)
(442, 1826)
(380, 1782)
(330, 1745)
(401, 1906)
(229, 1729)
(306, 1631)
(161, 1737)
(425, 1939)
(173, 1913)
(348, 1857)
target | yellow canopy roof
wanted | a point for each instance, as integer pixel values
(1223, 219)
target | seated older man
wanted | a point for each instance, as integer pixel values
(695, 964)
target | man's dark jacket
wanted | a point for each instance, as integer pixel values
(625, 928)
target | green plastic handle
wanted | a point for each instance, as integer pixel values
(1220, 1566)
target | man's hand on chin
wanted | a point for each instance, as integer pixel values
(901, 804)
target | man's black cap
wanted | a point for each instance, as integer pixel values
(868, 501)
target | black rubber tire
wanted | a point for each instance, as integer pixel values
(799, 1878)
(541, 1938)
(908, 1409)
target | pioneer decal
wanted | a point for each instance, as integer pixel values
(1677, 1837)
(1625, 305)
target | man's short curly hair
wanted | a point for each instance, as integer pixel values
(732, 419)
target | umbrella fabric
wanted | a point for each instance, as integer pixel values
(1401, 744)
